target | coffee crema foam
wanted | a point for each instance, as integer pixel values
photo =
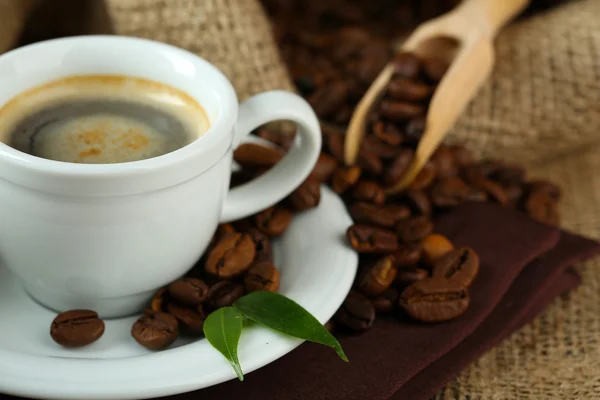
(101, 119)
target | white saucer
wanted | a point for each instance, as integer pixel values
(317, 270)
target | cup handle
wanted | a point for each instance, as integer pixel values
(292, 170)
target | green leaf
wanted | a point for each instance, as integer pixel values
(223, 328)
(286, 316)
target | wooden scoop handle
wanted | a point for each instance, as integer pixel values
(488, 15)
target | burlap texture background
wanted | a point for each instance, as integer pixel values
(541, 107)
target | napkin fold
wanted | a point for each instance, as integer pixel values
(524, 266)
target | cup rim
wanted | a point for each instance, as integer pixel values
(223, 122)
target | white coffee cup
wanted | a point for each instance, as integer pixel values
(105, 237)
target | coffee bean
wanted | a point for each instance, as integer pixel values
(274, 220)
(414, 229)
(400, 110)
(459, 266)
(462, 156)
(330, 326)
(514, 193)
(190, 319)
(443, 159)
(434, 300)
(370, 239)
(398, 168)
(264, 251)
(385, 216)
(435, 69)
(262, 276)
(335, 144)
(425, 177)
(328, 99)
(307, 195)
(509, 175)
(414, 129)
(155, 330)
(418, 202)
(408, 89)
(231, 256)
(323, 168)
(283, 140)
(408, 276)
(376, 278)
(435, 246)
(493, 190)
(251, 155)
(387, 133)
(344, 178)
(76, 328)
(406, 65)
(189, 291)
(369, 191)
(224, 294)
(379, 148)
(158, 301)
(542, 207)
(369, 162)
(546, 187)
(407, 255)
(450, 192)
(224, 229)
(356, 313)
(385, 302)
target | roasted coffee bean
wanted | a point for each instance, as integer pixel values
(262, 275)
(407, 255)
(76, 328)
(224, 294)
(435, 246)
(408, 89)
(190, 319)
(307, 195)
(379, 148)
(330, 326)
(434, 300)
(414, 229)
(282, 139)
(370, 239)
(418, 202)
(335, 144)
(155, 330)
(262, 245)
(514, 193)
(385, 216)
(450, 192)
(400, 110)
(408, 276)
(387, 133)
(369, 191)
(459, 266)
(251, 155)
(476, 196)
(546, 187)
(376, 278)
(443, 159)
(493, 190)
(398, 168)
(542, 207)
(509, 175)
(224, 229)
(385, 302)
(344, 178)
(414, 129)
(462, 156)
(406, 65)
(435, 69)
(425, 177)
(189, 291)
(328, 99)
(231, 256)
(356, 313)
(369, 162)
(343, 116)
(323, 168)
(158, 301)
(274, 220)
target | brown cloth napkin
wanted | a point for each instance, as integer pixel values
(524, 265)
(412, 361)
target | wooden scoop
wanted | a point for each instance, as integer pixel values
(464, 39)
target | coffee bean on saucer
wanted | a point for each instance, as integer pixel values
(158, 303)
(76, 328)
(189, 291)
(414, 229)
(190, 319)
(224, 294)
(385, 302)
(231, 256)
(434, 300)
(274, 220)
(435, 246)
(370, 239)
(375, 279)
(460, 266)
(356, 313)
(264, 250)
(262, 275)
(155, 330)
